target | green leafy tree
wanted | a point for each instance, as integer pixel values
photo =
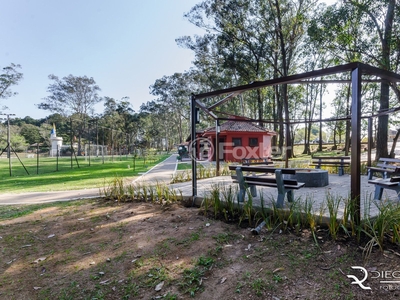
(73, 96)
(365, 31)
(9, 77)
(31, 133)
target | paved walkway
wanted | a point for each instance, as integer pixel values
(339, 186)
(159, 173)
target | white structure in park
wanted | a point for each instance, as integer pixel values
(56, 142)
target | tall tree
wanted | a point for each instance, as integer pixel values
(252, 41)
(367, 30)
(9, 77)
(72, 96)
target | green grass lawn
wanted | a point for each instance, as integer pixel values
(67, 178)
(187, 166)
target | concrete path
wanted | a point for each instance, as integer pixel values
(339, 186)
(160, 173)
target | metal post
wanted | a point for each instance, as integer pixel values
(112, 145)
(9, 143)
(37, 158)
(217, 147)
(194, 146)
(320, 119)
(8, 140)
(355, 183)
(286, 145)
(58, 156)
(370, 141)
(72, 146)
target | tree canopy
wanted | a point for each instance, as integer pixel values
(9, 77)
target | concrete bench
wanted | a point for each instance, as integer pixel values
(331, 161)
(264, 178)
(386, 167)
(257, 161)
(385, 183)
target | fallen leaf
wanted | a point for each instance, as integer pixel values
(223, 279)
(159, 286)
(277, 270)
(39, 260)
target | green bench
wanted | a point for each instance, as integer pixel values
(262, 176)
(385, 183)
(331, 161)
(257, 161)
(386, 167)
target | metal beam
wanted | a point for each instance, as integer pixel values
(335, 81)
(283, 80)
(205, 109)
(370, 141)
(193, 148)
(365, 69)
(223, 100)
(217, 166)
(355, 180)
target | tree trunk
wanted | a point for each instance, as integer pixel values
(383, 123)
(260, 107)
(392, 153)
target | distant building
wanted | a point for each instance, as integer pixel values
(56, 142)
(237, 140)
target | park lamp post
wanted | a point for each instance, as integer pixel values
(8, 138)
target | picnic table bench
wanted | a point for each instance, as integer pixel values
(332, 161)
(265, 178)
(385, 167)
(386, 183)
(257, 161)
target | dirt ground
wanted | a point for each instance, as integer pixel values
(102, 250)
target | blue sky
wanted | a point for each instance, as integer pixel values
(125, 45)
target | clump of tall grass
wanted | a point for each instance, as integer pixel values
(222, 201)
(333, 203)
(115, 189)
(385, 224)
(201, 173)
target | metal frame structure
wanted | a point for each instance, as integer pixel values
(356, 70)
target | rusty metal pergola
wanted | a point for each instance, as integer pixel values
(356, 70)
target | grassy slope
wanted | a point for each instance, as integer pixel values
(68, 178)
